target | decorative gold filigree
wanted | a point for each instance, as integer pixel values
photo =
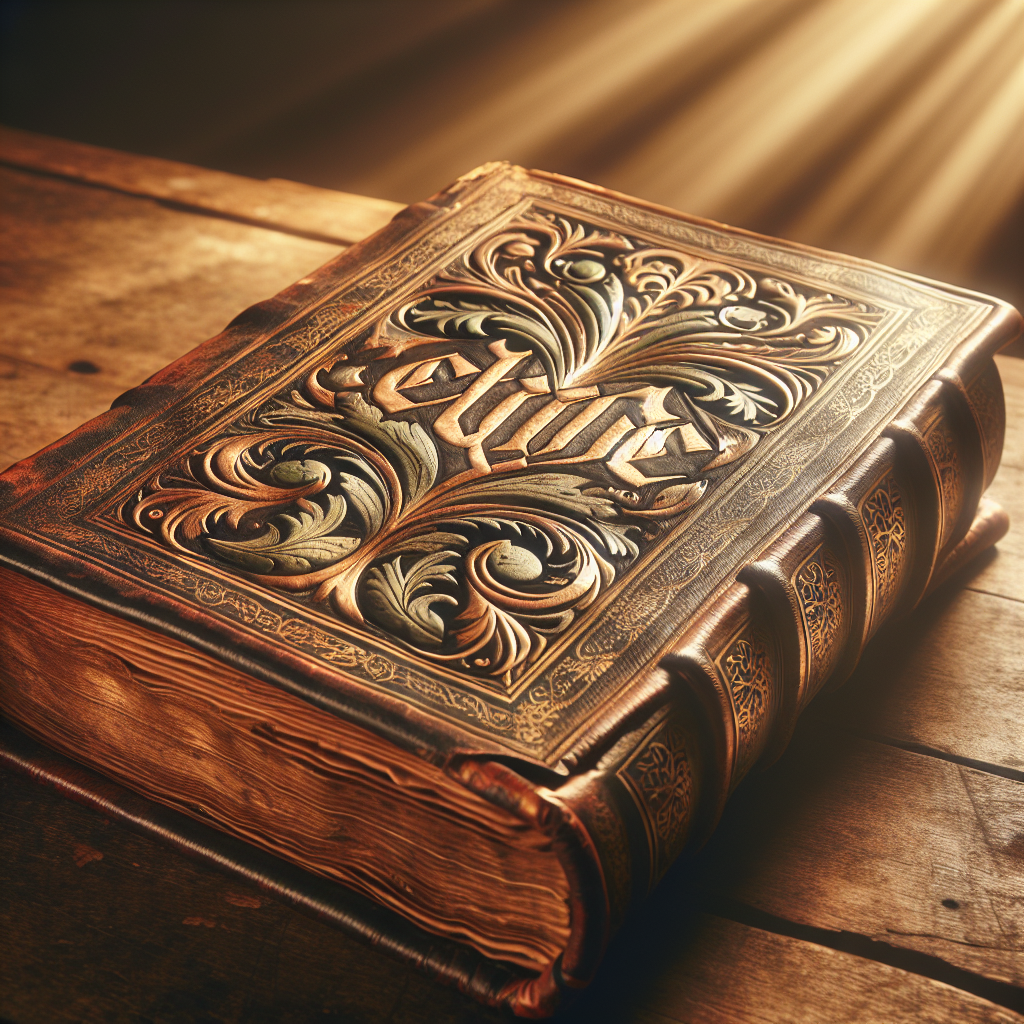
(606, 826)
(946, 466)
(661, 781)
(883, 517)
(920, 327)
(986, 397)
(819, 587)
(501, 447)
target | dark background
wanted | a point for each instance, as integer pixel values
(892, 130)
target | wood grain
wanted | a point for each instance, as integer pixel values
(1004, 575)
(1011, 370)
(126, 283)
(950, 679)
(138, 933)
(851, 835)
(317, 213)
(115, 287)
(39, 405)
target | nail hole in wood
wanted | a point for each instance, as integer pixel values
(83, 366)
(951, 904)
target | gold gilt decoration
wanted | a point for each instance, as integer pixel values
(472, 473)
(659, 777)
(883, 517)
(986, 398)
(605, 824)
(819, 587)
(747, 667)
(946, 466)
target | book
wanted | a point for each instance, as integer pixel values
(468, 576)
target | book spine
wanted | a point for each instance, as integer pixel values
(793, 622)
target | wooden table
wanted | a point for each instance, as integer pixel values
(876, 873)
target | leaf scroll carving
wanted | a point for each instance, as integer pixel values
(469, 476)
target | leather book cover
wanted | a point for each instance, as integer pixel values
(576, 499)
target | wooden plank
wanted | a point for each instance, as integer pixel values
(1004, 574)
(126, 283)
(1011, 370)
(714, 971)
(855, 836)
(950, 679)
(218, 949)
(318, 213)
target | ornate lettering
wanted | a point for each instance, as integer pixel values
(470, 477)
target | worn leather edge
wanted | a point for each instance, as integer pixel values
(405, 724)
(449, 962)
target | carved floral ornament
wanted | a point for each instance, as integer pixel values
(819, 587)
(472, 474)
(885, 522)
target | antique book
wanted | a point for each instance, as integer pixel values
(468, 576)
